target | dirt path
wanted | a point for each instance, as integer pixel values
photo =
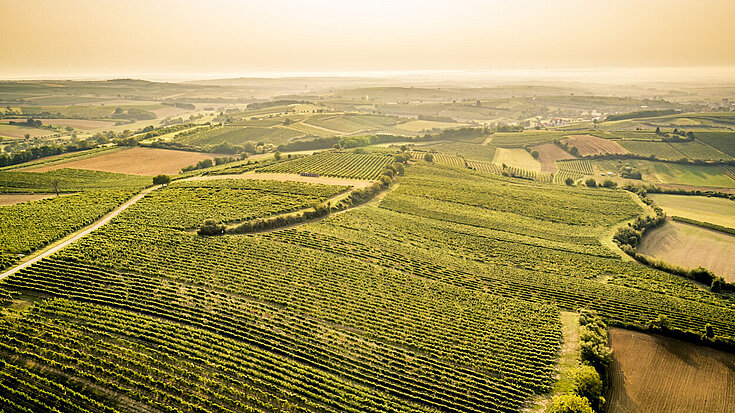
(606, 237)
(58, 245)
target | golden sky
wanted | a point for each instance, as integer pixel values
(135, 37)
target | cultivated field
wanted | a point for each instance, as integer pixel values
(517, 157)
(427, 125)
(12, 199)
(657, 374)
(692, 246)
(550, 153)
(717, 211)
(592, 145)
(134, 161)
(14, 131)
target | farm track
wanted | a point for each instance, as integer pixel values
(81, 233)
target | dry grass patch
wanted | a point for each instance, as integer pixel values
(718, 211)
(134, 161)
(548, 153)
(691, 246)
(518, 157)
(592, 145)
(12, 199)
(657, 374)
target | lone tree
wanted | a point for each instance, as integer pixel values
(277, 156)
(429, 157)
(569, 181)
(161, 180)
(590, 183)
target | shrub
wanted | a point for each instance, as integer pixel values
(608, 183)
(569, 181)
(590, 182)
(587, 384)
(569, 403)
(535, 154)
(211, 227)
(429, 157)
(161, 180)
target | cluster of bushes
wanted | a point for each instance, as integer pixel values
(630, 236)
(43, 151)
(356, 197)
(30, 122)
(189, 106)
(132, 113)
(590, 182)
(270, 104)
(169, 129)
(630, 173)
(589, 379)
(208, 163)
(653, 189)
(360, 141)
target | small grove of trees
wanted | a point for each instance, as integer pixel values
(590, 182)
(588, 379)
(161, 180)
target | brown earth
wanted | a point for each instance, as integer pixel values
(12, 199)
(691, 246)
(548, 153)
(592, 145)
(657, 374)
(135, 161)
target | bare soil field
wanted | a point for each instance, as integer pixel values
(691, 246)
(548, 153)
(134, 161)
(718, 211)
(592, 145)
(658, 374)
(326, 180)
(518, 157)
(12, 199)
(169, 111)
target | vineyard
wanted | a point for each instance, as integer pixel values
(68, 180)
(575, 166)
(445, 296)
(486, 167)
(339, 164)
(187, 204)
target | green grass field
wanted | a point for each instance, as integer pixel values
(717, 211)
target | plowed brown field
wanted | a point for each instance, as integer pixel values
(657, 374)
(592, 145)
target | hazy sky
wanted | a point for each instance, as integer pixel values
(135, 37)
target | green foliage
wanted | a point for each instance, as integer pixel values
(590, 182)
(161, 180)
(68, 180)
(569, 403)
(429, 157)
(587, 384)
(569, 181)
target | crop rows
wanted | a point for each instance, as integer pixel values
(68, 180)
(338, 164)
(561, 176)
(576, 166)
(28, 226)
(729, 171)
(486, 167)
(187, 204)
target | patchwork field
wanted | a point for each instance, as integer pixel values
(672, 174)
(653, 374)
(592, 145)
(516, 157)
(134, 161)
(550, 153)
(691, 246)
(717, 211)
